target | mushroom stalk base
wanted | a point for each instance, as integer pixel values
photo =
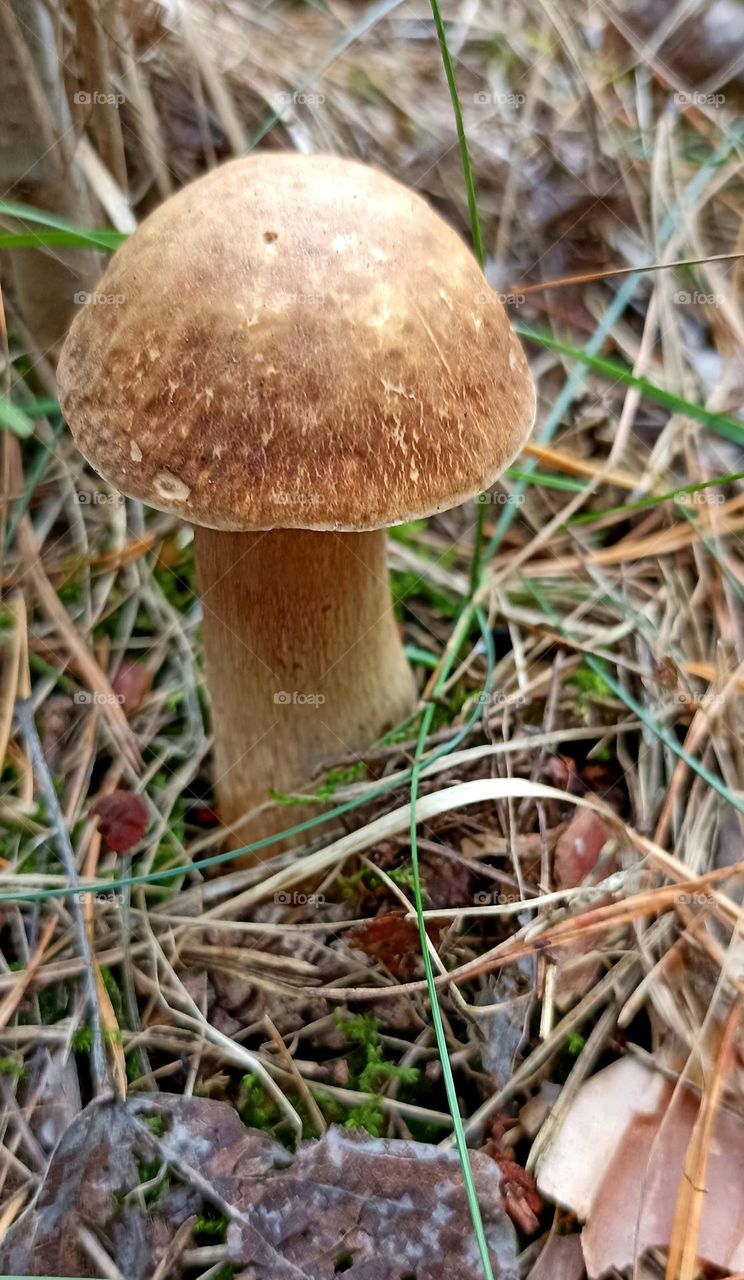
(304, 660)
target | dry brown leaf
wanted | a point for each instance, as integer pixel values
(131, 684)
(392, 939)
(578, 848)
(618, 1160)
(122, 819)
(561, 1259)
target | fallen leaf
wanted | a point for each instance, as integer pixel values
(95, 1159)
(122, 819)
(561, 1259)
(447, 883)
(578, 848)
(374, 1209)
(617, 1161)
(392, 939)
(131, 684)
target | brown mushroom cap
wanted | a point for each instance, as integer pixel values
(298, 342)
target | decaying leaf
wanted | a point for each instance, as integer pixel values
(500, 1033)
(578, 848)
(392, 939)
(131, 684)
(519, 1192)
(617, 1162)
(122, 819)
(561, 1259)
(95, 1160)
(374, 1209)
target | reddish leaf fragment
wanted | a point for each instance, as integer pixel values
(392, 939)
(578, 848)
(519, 1192)
(122, 819)
(206, 817)
(131, 684)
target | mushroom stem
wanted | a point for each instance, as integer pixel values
(304, 663)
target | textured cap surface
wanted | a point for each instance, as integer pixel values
(296, 341)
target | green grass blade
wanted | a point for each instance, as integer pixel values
(475, 575)
(436, 1014)
(52, 231)
(13, 418)
(476, 233)
(721, 423)
(107, 240)
(653, 500)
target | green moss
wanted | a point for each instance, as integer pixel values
(149, 1171)
(369, 1071)
(256, 1106)
(11, 1067)
(590, 682)
(575, 1043)
(368, 1115)
(82, 1040)
(210, 1229)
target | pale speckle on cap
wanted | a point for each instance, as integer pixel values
(296, 324)
(170, 488)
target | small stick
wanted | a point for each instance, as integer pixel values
(25, 717)
(588, 276)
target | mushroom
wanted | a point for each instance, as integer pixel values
(294, 353)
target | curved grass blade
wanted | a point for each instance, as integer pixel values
(721, 423)
(53, 231)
